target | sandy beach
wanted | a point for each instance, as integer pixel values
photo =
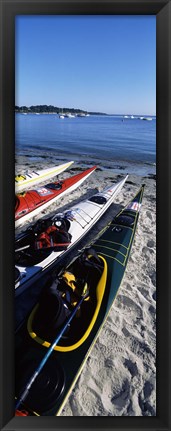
(119, 377)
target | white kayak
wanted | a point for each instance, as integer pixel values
(29, 178)
(29, 263)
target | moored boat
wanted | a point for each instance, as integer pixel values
(52, 352)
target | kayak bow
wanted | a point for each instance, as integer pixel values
(29, 178)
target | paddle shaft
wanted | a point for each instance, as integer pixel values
(22, 248)
(49, 352)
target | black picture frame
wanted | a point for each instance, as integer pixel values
(8, 10)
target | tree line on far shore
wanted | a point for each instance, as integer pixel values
(52, 109)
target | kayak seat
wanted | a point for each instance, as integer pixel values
(89, 313)
(72, 290)
(51, 313)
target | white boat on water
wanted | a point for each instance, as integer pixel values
(69, 115)
(61, 115)
(81, 114)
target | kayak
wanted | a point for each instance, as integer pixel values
(29, 178)
(53, 352)
(30, 203)
(42, 244)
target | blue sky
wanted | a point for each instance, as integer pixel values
(95, 63)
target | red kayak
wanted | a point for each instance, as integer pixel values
(29, 204)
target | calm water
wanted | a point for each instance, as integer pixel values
(106, 140)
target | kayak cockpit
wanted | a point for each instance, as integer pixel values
(41, 239)
(94, 275)
(54, 186)
(125, 219)
(98, 199)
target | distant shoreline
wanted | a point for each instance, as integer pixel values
(49, 109)
(45, 109)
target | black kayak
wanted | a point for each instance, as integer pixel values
(71, 310)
